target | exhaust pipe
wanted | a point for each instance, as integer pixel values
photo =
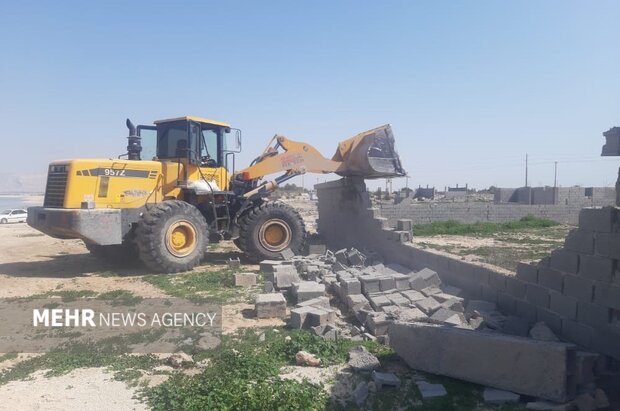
(134, 145)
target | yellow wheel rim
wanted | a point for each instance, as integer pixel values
(181, 238)
(275, 235)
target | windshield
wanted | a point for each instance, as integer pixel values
(6, 212)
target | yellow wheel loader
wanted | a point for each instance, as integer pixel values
(176, 189)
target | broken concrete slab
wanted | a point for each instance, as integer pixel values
(410, 315)
(245, 280)
(448, 317)
(453, 304)
(385, 379)
(495, 396)
(360, 359)
(428, 390)
(521, 365)
(270, 305)
(355, 257)
(299, 317)
(287, 254)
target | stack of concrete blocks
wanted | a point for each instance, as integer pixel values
(272, 305)
(576, 291)
(380, 294)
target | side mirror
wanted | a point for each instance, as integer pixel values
(233, 140)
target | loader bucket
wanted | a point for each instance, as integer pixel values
(369, 155)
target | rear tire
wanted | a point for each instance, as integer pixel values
(172, 236)
(268, 229)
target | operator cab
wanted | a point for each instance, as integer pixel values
(199, 141)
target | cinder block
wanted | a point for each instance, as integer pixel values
(527, 273)
(401, 281)
(597, 268)
(428, 305)
(370, 284)
(497, 281)
(526, 310)
(550, 278)
(606, 340)
(320, 249)
(378, 300)
(321, 317)
(387, 283)
(482, 275)
(270, 306)
(563, 305)
(580, 241)
(320, 302)
(577, 333)
(307, 290)
(404, 225)
(598, 219)
(578, 287)
(378, 323)
(506, 303)
(413, 295)
(358, 302)
(267, 266)
(593, 314)
(537, 295)
(350, 286)
(515, 287)
(299, 317)
(564, 260)
(607, 295)
(430, 277)
(488, 293)
(398, 299)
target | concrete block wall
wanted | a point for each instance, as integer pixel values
(576, 291)
(473, 212)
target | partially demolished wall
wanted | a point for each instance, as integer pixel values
(576, 291)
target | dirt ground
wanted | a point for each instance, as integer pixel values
(32, 263)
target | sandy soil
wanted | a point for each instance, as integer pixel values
(81, 389)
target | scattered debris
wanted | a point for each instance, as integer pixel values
(176, 360)
(362, 360)
(385, 379)
(428, 390)
(234, 263)
(306, 359)
(360, 394)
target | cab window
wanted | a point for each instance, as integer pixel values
(172, 140)
(209, 147)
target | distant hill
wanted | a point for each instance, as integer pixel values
(22, 184)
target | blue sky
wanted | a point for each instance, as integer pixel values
(469, 87)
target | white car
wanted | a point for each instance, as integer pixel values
(16, 215)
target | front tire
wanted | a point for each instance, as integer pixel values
(4, 221)
(172, 236)
(270, 228)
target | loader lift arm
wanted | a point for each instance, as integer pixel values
(368, 155)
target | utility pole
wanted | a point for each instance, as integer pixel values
(555, 175)
(526, 169)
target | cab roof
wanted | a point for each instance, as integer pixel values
(194, 118)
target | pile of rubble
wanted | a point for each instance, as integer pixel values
(390, 302)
